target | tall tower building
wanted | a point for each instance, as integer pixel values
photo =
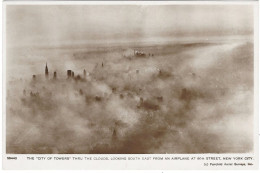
(55, 75)
(114, 136)
(84, 73)
(69, 73)
(34, 77)
(46, 71)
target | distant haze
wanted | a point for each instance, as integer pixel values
(34, 25)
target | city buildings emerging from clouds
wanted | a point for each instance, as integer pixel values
(46, 71)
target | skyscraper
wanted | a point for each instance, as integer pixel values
(55, 75)
(69, 73)
(46, 71)
(114, 136)
(84, 73)
(34, 77)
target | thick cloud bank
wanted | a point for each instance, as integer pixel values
(183, 98)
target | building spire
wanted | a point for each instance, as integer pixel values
(46, 71)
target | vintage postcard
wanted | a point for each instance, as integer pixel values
(130, 85)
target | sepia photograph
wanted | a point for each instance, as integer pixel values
(129, 79)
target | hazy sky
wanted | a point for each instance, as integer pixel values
(67, 24)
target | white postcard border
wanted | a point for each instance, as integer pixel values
(23, 161)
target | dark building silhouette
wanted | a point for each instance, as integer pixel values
(102, 64)
(68, 73)
(46, 71)
(84, 73)
(98, 98)
(72, 73)
(114, 89)
(34, 94)
(114, 135)
(55, 75)
(78, 77)
(81, 92)
(34, 77)
(159, 98)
